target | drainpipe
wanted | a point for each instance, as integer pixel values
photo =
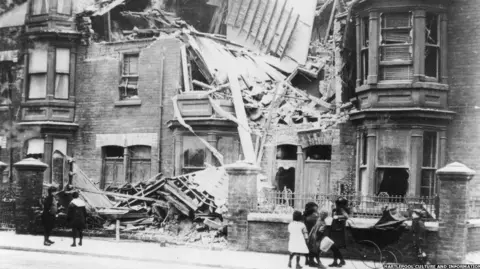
(161, 114)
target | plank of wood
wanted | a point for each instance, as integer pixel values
(121, 195)
(178, 205)
(261, 20)
(253, 18)
(245, 136)
(290, 34)
(269, 22)
(329, 27)
(238, 13)
(284, 30)
(275, 28)
(181, 196)
(246, 15)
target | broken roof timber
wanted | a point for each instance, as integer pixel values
(278, 27)
(108, 7)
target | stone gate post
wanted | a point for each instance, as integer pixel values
(454, 198)
(242, 194)
(29, 187)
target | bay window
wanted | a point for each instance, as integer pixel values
(37, 73)
(401, 46)
(40, 7)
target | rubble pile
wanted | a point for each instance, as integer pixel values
(182, 207)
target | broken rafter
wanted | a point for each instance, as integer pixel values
(329, 27)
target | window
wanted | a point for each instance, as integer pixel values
(113, 167)
(40, 7)
(365, 28)
(37, 74)
(194, 154)
(59, 151)
(35, 148)
(129, 83)
(229, 147)
(396, 53)
(64, 6)
(429, 164)
(140, 162)
(320, 152)
(393, 181)
(364, 148)
(432, 47)
(62, 73)
(286, 152)
(7, 79)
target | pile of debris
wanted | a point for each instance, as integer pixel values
(188, 208)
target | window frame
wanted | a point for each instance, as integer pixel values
(432, 186)
(36, 73)
(190, 169)
(418, 72)
(125, 77)
(62, 73)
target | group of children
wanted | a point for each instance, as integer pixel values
(308, 230)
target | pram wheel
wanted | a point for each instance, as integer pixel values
(370, 253)
(398, 254)
(389, 257)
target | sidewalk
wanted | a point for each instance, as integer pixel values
(128, 250)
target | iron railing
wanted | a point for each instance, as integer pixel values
(362, 206)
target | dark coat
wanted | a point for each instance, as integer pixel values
(77, 214)
(337, 229)
(310, 220)
(48, 219)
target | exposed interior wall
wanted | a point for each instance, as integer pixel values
(473, 244)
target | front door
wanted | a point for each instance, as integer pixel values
(316, 177)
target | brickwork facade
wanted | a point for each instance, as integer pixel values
(102, 118)
(464, 80)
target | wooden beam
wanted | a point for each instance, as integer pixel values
(246, 15)
(274, 31)
(238, 12)
(269, 21)
(169, 187)
(245, 136)
(261, 20)
(284, 30)
(290, 36)
(332, 15)
(253, 20)
(121, 195)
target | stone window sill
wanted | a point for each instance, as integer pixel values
(136, 102)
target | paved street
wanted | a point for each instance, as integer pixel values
(10, 259)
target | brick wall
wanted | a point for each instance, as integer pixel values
(464, 80)
(97, 79)
(343, 157)
(473, 243)
(269, 236)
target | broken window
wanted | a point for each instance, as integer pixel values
(37, 73)
(393, 181)
(364, 148)
(429, 164)
(113, 167)
(396, 52)
(140, 163)
(40, 7)
(35, 148)
(58, 161)
(320, 152)
(432, 46)
(62, 73)
(365, 28)
(194, 154)
(286, 152)
(129, 83)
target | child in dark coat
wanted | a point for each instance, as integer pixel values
(76, 217)
(48, 215)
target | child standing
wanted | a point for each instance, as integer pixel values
(297, 243)
(316, 235)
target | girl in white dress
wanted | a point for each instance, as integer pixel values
(297, 243)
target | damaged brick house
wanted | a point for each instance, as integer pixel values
(378, 106)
